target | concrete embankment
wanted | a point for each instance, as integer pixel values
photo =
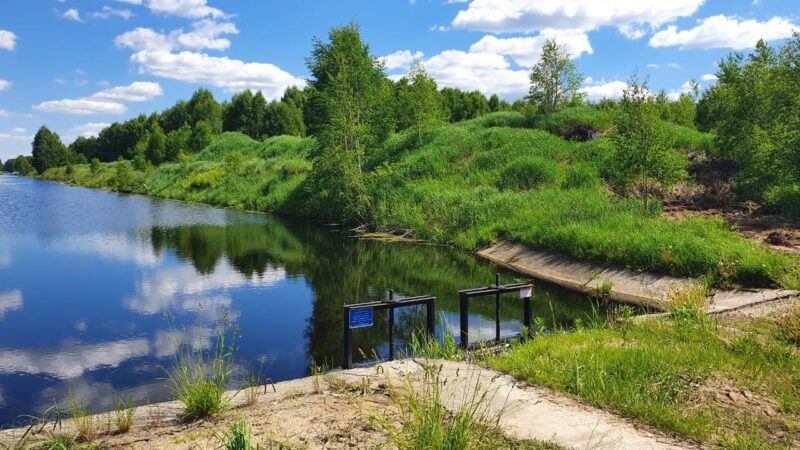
(627, 286)
(645, 289)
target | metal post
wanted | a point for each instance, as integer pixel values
(391, 326)
(497, 308)
(431, 312)
(464, 308)
(348, 340)
(527, 319)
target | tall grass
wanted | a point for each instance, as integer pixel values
(124, 412)
(238, 437)
(427, 423)
(199, 380)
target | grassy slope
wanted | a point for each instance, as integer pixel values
(677, 376)
(475, 182)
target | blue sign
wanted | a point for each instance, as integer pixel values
(360, 317)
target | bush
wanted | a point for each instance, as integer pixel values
(784, 199)
(204, 179)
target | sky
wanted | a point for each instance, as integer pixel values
(80, 65)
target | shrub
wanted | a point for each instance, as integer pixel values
(238, 437)
(94, 165)
(785, 199)
(205, 179)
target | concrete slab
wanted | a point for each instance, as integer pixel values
(644, 289)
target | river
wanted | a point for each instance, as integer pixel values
(96, 288)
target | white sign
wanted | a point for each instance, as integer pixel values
(525, 292)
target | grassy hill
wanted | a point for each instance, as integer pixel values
(500, 176)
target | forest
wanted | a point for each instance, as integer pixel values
(590, 179)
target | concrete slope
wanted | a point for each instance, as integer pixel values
(645, 289)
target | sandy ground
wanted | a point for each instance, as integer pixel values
(344, 409)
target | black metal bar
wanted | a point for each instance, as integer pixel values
(431, 313)
(497, 308)
(391, 326)
(464, 308)
(527, 318)
(348, 340)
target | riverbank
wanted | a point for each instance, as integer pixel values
(358, 408)
(469, 185)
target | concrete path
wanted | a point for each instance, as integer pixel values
(627, 286)
(528, 412)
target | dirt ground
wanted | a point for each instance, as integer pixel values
(712, 196)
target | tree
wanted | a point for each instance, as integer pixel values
(351, 108)
(494, 103)
(641, 149)
(201, 137)
(554, 79)
(204, 108)
(418, 102)
(177, 142)
(284, 119)
(48, 150)
(23, 165)
(238, 112)
(156, 151)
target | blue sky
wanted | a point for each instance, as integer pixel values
(78, 65)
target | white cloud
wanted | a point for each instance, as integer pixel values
(130, 2)
(523, 16)
(10, 301)
(107, 101)
(5, 113)
(489, 73)
(205, 34)
(90, 129)
(8, 40)
(81, 106)
(73, 359)
(72, 14)
(138, 91)
(401, 59)
(674, 65)
(16, 130)
(653, 66)
(192, 9)
(599, 91)
(143, 39)
(108, 12)
(16, 137)
(724, 32)
(526, 50)
(708, 77)
(60, 81)
(230, 74)
(5, 84)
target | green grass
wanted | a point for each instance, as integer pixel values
(199, 381)
(238, 437)
(671, 375)
(473, 183)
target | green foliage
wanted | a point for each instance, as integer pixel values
(94, 165)
(418, 103)
(124, 179)
(124, 412)
(758, 122)
(205, 179)
(561, 121)
(642, 151)
(48, 151)
(201, 137)
(459, 105)
(554, 79)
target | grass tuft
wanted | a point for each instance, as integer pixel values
(199, 381)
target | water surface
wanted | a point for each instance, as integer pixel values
(97, 287)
